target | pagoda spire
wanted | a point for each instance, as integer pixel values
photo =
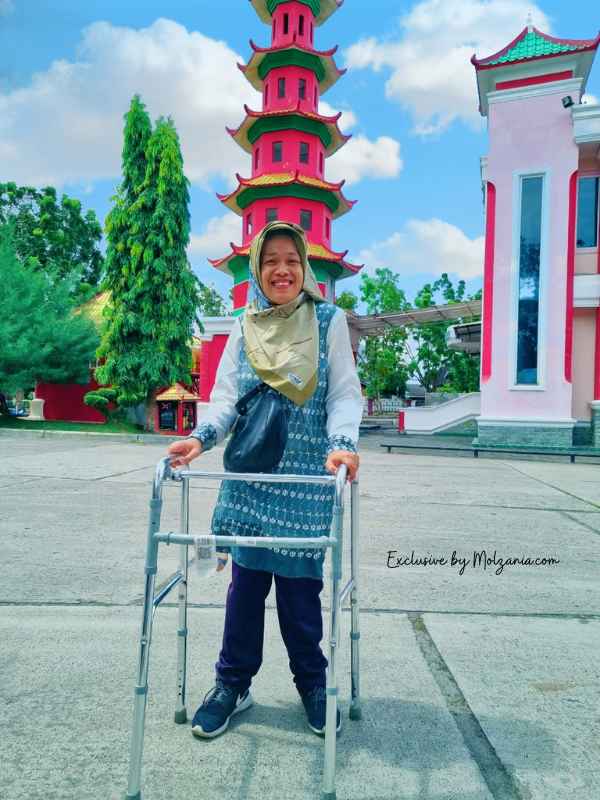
(289, 142)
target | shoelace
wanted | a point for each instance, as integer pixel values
(218, 690)
(317, 693)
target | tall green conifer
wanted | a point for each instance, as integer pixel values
(154, 294)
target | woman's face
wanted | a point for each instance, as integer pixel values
(281, 271)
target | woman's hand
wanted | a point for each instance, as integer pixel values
(338, 457)
(183, 452)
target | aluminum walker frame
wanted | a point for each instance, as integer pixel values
(183, 538)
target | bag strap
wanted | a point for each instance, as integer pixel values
(242, 404)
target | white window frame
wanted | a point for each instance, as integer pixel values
(518, 175)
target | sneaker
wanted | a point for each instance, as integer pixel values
(315, 703)
(219, 705)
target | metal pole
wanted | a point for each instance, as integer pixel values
(328, 789)
(182, 630)
(355, 709)
(141, 688)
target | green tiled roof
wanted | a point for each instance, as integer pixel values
(534, 45)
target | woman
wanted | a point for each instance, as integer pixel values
(291, 339)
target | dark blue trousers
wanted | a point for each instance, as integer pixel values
(300, 622)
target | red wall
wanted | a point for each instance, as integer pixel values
(210, 356)
(65, 401)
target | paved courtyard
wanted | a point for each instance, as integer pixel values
(477, 683)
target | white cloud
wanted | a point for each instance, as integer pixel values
(431, 74)
(590, 99)
(67, 125)
(362, 158)
(427, 246)
(214, 240)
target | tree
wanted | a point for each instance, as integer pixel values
(211, 304)
(53, 236)
(431, 360)
(42, 337)
(154, 294)
(347, 300)
(382, 366)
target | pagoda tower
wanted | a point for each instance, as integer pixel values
(288, 142)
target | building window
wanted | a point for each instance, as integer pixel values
(306, 220)
(286, 23)
(277, 151)
(530, 240)
(311, 31)
(271, 214)
(327, 227)
(301, 25)
(249, 224)
(304, 152)
(281, 87)
(587, 212)
(302, 88)
(316, 97)
(267, 94)
(256, 157)
(321, 162)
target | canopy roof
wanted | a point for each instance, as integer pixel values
(287, 184)
(93, 308)
(321, 9)
(532, 44)
(259, 122)
(264, 59)
(375, 324)
(177, 392)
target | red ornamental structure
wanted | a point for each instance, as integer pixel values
(288, 142)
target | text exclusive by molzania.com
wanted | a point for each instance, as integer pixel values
(480, 559)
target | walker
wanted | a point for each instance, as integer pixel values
(180, 579)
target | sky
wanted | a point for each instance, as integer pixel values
(68, 71)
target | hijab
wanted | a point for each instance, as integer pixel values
(282, 341)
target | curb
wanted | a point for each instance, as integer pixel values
(137, 438)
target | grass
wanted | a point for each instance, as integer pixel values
(61, 425)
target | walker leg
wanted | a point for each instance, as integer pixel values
(328, 789)
(355, 707)
(182, 631)
(141, 688)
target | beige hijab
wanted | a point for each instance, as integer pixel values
(282, 341)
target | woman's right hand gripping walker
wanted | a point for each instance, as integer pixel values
(182, 453)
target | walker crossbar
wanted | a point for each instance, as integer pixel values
(183, 539)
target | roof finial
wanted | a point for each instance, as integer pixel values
(529, 22)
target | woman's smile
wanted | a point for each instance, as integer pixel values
(281, 270)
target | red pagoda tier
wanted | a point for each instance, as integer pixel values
(288, 141)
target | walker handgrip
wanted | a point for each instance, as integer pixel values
(340, 482)
(163, 471)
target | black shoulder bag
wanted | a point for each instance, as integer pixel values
(259, 433)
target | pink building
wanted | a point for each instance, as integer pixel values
(287, 142)
(540, 362)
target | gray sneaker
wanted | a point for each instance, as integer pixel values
(219, 705)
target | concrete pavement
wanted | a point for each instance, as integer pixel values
(477, 682)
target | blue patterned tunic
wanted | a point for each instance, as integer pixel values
(267, 509)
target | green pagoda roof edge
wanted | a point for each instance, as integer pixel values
(321, 9)
(531, 44)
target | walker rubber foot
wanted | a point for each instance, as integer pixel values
(327, 795)
(355, 712)
(181, 716)
(137, 796)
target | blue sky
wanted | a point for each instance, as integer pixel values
(68, 70)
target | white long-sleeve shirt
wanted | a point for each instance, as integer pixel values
(344, 397)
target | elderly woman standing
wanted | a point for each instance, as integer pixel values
(293, 340)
